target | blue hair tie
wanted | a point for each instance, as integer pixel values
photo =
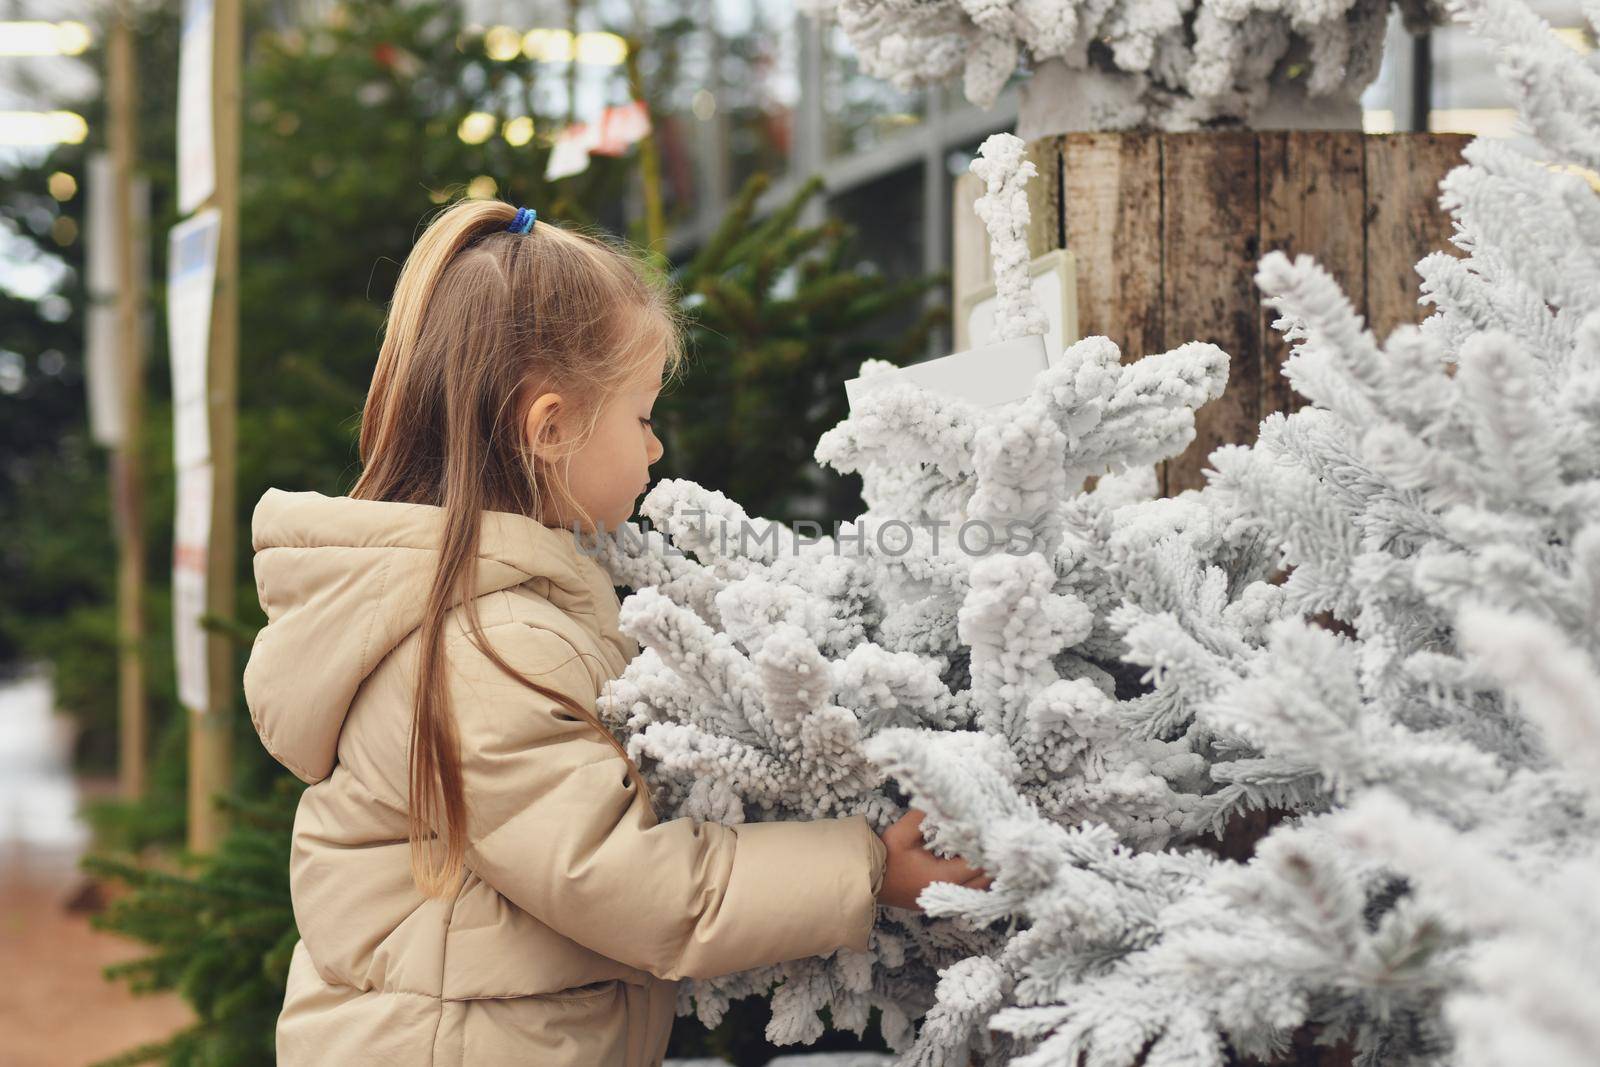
(524, 220)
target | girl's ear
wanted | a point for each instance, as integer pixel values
(539, 429)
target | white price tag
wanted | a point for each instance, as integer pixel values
(191, 549)
(191, 279)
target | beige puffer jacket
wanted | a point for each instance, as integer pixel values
(577, 912)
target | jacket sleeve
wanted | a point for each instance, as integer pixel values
(555, 825)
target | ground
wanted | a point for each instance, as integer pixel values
(56, 1008)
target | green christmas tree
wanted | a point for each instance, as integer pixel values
(781, 315)
(223, 932)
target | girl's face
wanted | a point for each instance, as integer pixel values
(608, 475)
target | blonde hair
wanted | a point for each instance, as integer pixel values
(483, 321)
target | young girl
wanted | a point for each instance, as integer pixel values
(477, 874)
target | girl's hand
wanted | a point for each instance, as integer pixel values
(909, 866)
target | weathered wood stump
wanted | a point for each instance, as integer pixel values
(1166, 229)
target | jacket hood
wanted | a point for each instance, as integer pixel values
(343, 581)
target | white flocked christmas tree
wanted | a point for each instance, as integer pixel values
(968, 599)
(1153, 63)
(1380, 622)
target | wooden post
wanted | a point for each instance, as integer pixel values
(1403, 215)
(1313, 193)
(1166, 230)
(127, 467)
(211, 731)
(1111, 190)
(1045, 230)
(1210, 217)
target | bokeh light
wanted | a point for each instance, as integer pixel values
(518, 131)
(477, 127)
(62, 185)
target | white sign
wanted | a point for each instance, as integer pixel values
(988, 377)
(197, 165)
(191, 549)
(191, 278)
(99, 239)
(102, 368)
(1055, 287)
(103, 373)
(103, 355)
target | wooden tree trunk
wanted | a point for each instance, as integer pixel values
(1166, 229)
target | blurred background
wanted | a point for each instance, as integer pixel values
(803, 209)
